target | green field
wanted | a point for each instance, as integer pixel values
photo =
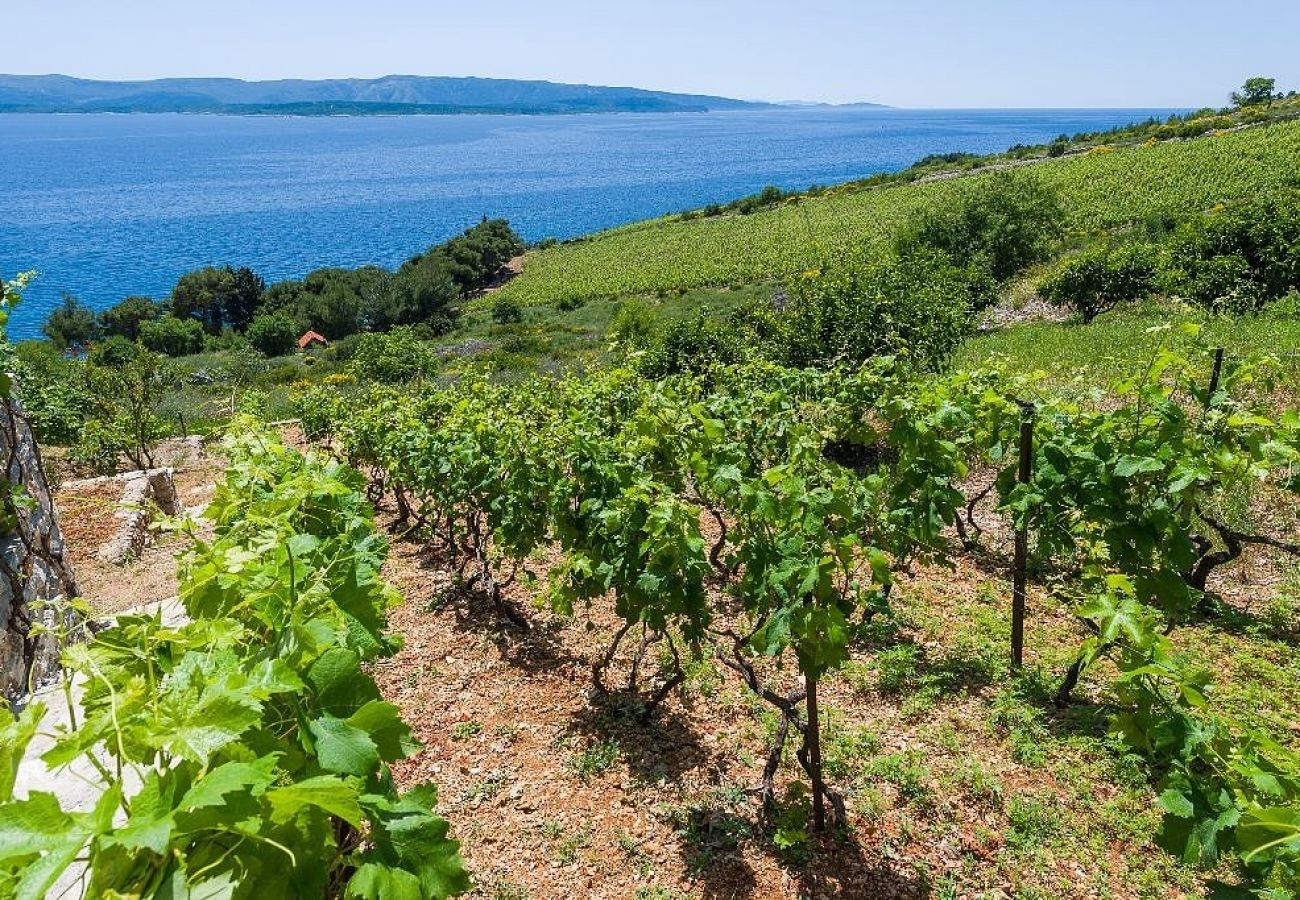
(1100, 189)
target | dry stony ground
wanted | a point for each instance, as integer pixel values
(960, 779)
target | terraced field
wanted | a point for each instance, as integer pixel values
(1102, 188)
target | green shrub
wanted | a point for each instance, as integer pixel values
(273, 335)
(53, 391)
(695, 345)
(398, 355)
(1005, 222)
(100, 447)
(1239, 258)
(114, 352)
(1102, 277)
(920, 305)
(507, 311)
(634, 324)
(171, 336)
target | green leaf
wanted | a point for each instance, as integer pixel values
(383, 722)
(15, 735)
(1177, 804)
(1269, 831)
(204, 728)
(344, 748)
(213, 788)
(373, 881)
(327, 792)
(1128, 466)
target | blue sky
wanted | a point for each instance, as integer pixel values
(999, 53)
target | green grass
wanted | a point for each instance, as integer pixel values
(1118, 344)
(1100, 190)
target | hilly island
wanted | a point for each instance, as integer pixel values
(390, 95)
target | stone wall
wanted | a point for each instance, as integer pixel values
(34, 568)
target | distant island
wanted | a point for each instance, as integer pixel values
(390, 95)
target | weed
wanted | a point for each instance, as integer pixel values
(463, 731)
(1033, 822)
(595, 759)
(896, 668)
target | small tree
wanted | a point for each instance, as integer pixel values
(1004, 222)
(399, 355)
(172, 336)
(72, 324)
(125, 418)
(507, 311)
(1255, 91)
(127, 317)
(1102, 277)
(273, 335)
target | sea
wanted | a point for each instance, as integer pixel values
(108, 206)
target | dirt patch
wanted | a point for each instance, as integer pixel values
(952, 781)
(87, 515)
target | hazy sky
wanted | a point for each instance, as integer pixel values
(935, 53)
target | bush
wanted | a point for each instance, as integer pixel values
(171, 336)
(273, 335)
(398, 355)
(920, 305)
(53, 391)
(695, 345)
(634, 325)
(114, 353)
(507, 311)
(124, 420)
(1102, 277)
(71, 324)
(1005, 222)
(100, 447)
(125, 318)
(1238, 259)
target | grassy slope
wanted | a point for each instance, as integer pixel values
(1101, 189)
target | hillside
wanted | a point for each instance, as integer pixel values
(392, 94)
(1100, 188)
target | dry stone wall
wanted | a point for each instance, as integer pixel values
(34, 570)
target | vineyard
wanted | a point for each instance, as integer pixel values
(776, 515)
(1099, 189)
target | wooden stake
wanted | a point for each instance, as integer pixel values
(1020, 562)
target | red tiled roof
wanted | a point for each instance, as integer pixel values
(310, 338)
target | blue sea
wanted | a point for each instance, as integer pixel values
(106, 206)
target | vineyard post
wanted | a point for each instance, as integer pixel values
(1019, 563)
(815, 754)
(1214, 375)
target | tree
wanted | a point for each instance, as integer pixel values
(172, 336)
(217, 297)
(507, 311)
(125, 419)
(1101, 277)
(1255, 91)
(428, 295)
(73, 324)
(245, 298)
(126, 317)
(273, 335)
(1004, 223)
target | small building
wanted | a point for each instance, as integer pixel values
(312, 339)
